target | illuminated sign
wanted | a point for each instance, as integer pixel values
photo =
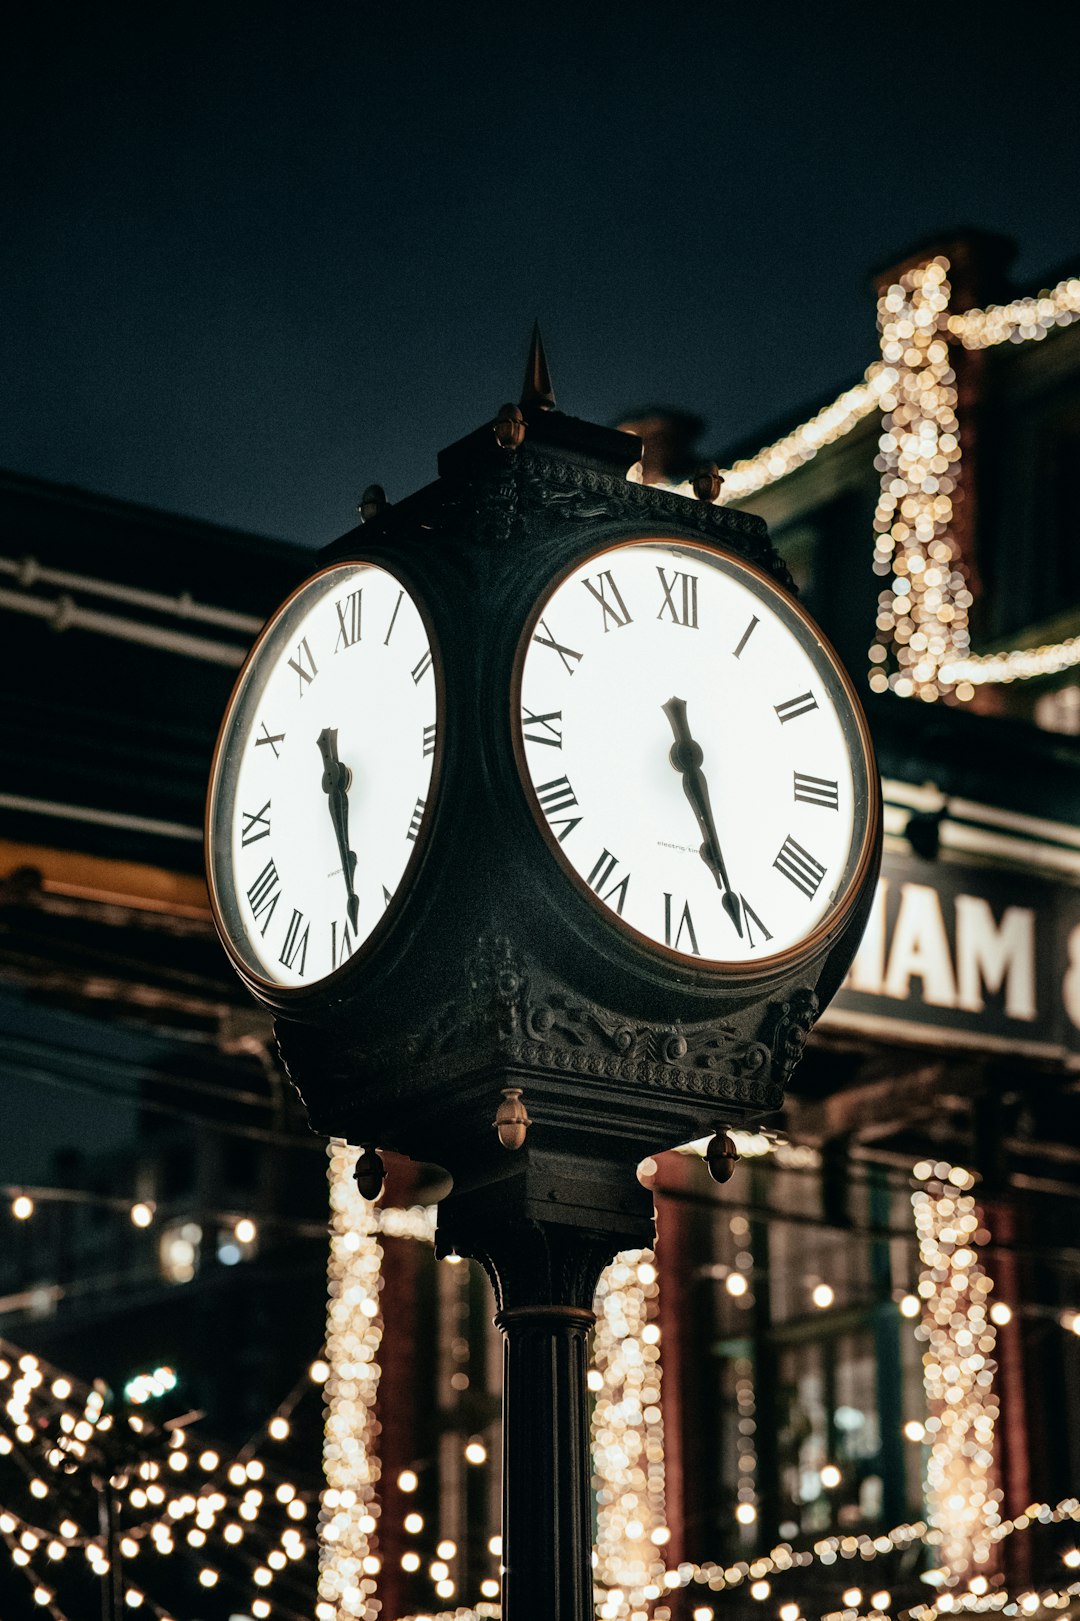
(971, 955)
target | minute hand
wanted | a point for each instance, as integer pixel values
(335, 779)
(686, 756)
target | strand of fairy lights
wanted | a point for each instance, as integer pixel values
(348, 1520)
(1022, 320)
(828, 1551)
(628, 1439)
(958, 1366)
(802, 444)
(922, 619)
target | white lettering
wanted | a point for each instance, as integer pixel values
(920, 949)
(868, 967)
(994, 955)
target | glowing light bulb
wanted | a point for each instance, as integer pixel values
(22, 1208)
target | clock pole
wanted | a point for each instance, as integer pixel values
(544, 1235)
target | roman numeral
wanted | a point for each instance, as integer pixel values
(429, 739)
(685, 611)
(273, 738)
(393, 619)
(602, 871)
(348, 613)
(304, 665)
(264, 895)
(340, 948)
(685, 922)
(614, 607)
(556, 795)
(791, 708)
(295, 943)
(565, 653)
(416, 819)
(746, 635)
(749, 917)
(421, 668)
(256, 825)
(798, 865)
(551, 725)
(817, 791)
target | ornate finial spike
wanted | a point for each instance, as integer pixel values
(537, 389)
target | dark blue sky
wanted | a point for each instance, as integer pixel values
(260, 254)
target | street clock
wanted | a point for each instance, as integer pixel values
(545, 821)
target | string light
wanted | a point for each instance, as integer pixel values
(795, 449)
(1023, 319)
(746, 1442)
(1020, 664)
(958, 1366)
(347, 1518)
(628, 1438)
(922, 615)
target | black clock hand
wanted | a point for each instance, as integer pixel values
(335, 782)
(686, 757)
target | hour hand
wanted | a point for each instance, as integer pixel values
(686, 757)
(335, 784)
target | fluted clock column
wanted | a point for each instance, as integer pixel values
(544, 1273)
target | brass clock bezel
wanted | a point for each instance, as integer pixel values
(270, 991)
(855, 727)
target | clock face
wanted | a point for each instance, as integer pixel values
(693, 752)
(322, 781)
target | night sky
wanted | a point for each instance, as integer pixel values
(259, 255)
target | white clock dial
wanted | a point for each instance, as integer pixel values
(692, 751)
(322, 780)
